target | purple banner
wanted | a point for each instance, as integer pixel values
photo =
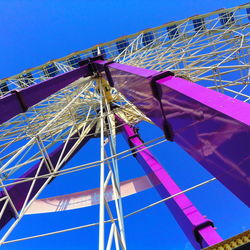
(212, 127)
(19, 101)
(197, 228)
(19, 192)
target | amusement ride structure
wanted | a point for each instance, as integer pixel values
(190, 78)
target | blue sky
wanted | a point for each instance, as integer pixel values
(34, 32)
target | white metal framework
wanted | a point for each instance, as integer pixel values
(213, 51)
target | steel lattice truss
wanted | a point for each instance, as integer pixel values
(209, 49)
(210, 57)
(73, 113)
(212, 50)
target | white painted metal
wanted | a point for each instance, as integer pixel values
(216, 57)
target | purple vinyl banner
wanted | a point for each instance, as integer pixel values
(198, 229)
(19, 101)
(19, 191)
(212, 127)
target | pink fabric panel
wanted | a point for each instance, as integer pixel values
(87, 198)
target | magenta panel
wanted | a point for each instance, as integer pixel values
(212, 127)
(19, 192)
(197, 228)
(19, 101)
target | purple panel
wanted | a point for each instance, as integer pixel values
(185, 213)
(18, 192)
(125, 70)
(212, 127)
(10, 105)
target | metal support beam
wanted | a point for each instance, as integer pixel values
(212, 127)
(197, 228)
(18, 101)
(102, 177)
(18, 192)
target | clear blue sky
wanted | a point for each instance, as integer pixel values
(35, 31)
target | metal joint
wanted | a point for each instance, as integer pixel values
(167, 129)
(161, 75)
(20, 100)
(131, 144)
(91, 66)
(157, 93)
(108, 74)
(196, 230)
(133, 136)
(156, 88)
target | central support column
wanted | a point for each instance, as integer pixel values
(198, 229)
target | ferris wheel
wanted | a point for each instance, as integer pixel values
(189, 78)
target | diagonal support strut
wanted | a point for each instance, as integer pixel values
(198, 229)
